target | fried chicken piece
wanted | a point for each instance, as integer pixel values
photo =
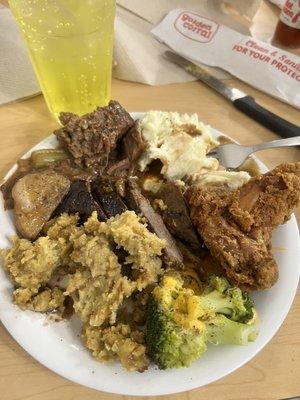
(236, 225)
(117, 342)
(267, 200)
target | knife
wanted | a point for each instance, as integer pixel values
(239, 99)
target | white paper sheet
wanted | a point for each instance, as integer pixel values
(17, 79)
(261, 65)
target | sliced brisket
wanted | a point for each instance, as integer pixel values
(71, 171)
(118, 169)
(138, 203)
(176, 215)
(133, 143)
(91, 138)
(108, 198)
(80, 200)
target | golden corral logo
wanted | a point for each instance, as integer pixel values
(196, 27)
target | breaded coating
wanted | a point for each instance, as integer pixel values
(268, 200)
(45, 301)
(236, 225)
(144, 247)
(96, 300)
(117, 342)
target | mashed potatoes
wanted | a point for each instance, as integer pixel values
(231, 179)
(180, 142)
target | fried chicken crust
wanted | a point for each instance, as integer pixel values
(236, 225)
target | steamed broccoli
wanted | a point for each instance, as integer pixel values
(179, 322)
(169, 344)
(222, 330)
(219, 297)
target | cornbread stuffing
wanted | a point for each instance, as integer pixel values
(96, 300)
(143, 247)
(45, 301)
(87, 256)
(31, 264)
(117, 342)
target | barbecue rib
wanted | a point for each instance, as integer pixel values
(236, 225)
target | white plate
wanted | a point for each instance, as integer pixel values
(58, 346)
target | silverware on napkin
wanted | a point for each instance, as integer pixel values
(239, 99)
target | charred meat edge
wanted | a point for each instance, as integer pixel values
(141, 205)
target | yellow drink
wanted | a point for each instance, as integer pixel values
(70, 45)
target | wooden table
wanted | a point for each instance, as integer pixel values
(275, 372)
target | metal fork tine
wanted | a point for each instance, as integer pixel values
(233, 155)
(212, 152)
(214, 155)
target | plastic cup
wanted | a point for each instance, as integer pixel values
(70, 45)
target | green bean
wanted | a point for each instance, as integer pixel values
(42, 158)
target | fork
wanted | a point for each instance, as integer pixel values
(233, 155)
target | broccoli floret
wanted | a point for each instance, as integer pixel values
(179, 322)
(169, 344)
(222, 330)
(219, 297)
